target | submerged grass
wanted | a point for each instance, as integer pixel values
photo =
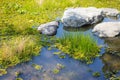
(18, 49)
(79, 46)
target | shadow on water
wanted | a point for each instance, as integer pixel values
(74, 70)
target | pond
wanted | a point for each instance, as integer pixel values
(73, 69)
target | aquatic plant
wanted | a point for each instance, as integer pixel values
(17, 73)
(19, 79)
(18, 49)
(79, 46)
(37, 67)
(96, 74)
(56, 71)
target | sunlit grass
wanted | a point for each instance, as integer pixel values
(23, 14)
(18, 49)
(79, 46)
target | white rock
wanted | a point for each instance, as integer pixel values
(77, 17)
(48, 28)
(107, 29)
(110, 12)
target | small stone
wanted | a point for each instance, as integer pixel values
(49, 28)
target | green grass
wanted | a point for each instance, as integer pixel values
(18, 49)
(79, 46)
(18, 16)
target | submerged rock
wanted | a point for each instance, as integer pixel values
(107, 29)
(49, 29)
(110, 12)
(113, 45)
(111, 62)
(77, 17)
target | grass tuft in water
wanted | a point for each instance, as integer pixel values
(79, 46)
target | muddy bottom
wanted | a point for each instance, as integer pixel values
(73, 69)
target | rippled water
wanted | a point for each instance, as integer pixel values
(74, 70)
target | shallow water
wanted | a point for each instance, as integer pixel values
(74, 69)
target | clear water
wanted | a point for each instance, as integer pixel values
(74, 69)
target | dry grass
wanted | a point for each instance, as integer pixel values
(18, 49)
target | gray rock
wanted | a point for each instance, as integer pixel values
(107, 29)
(110, 12)
(77, 17)
(49, 29)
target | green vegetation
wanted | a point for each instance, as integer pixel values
(18, 49)
(19, 79)
(2, 72)
(18, 16)
(79, 46)
(37, 67)
(115, 78)
(56, 71)
(96, 74)
(18, 73)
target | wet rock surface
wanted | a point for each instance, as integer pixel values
(49, 28)
(77, 17)
(107, 29)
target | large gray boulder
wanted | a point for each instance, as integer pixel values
(49, 29)
(107, 29)
(77, 17)
(110, 12)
